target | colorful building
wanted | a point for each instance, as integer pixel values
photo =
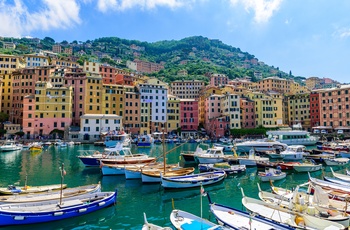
(189, 117)
(247, 113)
(315, 109)
(218, 79)
(230, 109)
(173, 114)
(132, 108)
(187, 89)
(298, 110)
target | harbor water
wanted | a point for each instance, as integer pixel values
(133, 198)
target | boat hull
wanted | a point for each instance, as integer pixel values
(8, 218)
(301, 168)
(130, 174)
(209, 160)
(110, 170)
(188, 158)
(30, 189)
(272, 178)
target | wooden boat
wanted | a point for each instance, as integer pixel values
(269, 164)
(118, 169)
(46, 211)
(237, 219)
(336, 181)
(271, 174)
(183, 220)
(301, 203)
(288, 165)
(285, 216)
(148, 226)
(336, 161)
(342, 177)
(11, 189)
(337, 191)
(153, 176)
(135, 173)
(194, 180)
(37, 197)
(307, 167)
(224, 166)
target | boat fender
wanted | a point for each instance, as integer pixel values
(299, 221)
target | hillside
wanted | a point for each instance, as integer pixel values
(197, 55)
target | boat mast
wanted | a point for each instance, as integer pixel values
(163, 141)
(62, 175)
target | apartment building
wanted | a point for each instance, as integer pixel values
(247, 113)
(298, 110)
(33, 60)
(218, 79)
(173, 114)
(230, 109)
(189, 117)
(132, 108)
(187, 89)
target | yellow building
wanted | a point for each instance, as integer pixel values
(6, 93)
(297, 110)
(92, 95)
(230, 108)
(275, 84)
(113, 99)
(203, 94)
(173, 113)
(9, 63)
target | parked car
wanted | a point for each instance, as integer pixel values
(340, 131)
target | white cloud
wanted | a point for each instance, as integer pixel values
(342, 33)
(263, 9)
(120, 5)
(17, 20)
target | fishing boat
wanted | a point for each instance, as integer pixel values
(136, 173)
(309, 166)
(288, 165)
(12, 189)
(46, 211)
(211, 156)
(301, 203)
(10, 145)
(237, 219)
(336, 161)
(195, 180)
(153, 176)
(285, 216)
(225, 166)
(148, 226)
(271, 174)
(184, 220)
(52, 195)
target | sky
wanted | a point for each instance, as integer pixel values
(307, 37)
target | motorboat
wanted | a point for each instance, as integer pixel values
(189, 156)
(144, 141)
(226, 148)
(10, 145)
(307, 166)
(260, 145)
(112, 138)
(211, 156)
(336, 161)
(250, 160)
(271, 174)
(294, 152)
(225, 166)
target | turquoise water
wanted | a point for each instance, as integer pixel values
(134, 198)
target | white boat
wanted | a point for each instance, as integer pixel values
(71, 143)
(184, 220)
(11, 189)
(225, 166)
(194, 180)
(153, 175)
(260, 145)
(342, 177)
(336, 161)
(271, 174)
(250, 160)
(293, 137)
(189, 156)
(302, 203)
(118, 169)
(237, 219)
(294, 152)
(310, 166)
(148, 226)
(131, 173)
(10, 145)
(211, 156)
(285, 216)
(226, 148)
(112, 138)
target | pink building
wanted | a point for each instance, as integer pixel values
(218, 79)
(217, 127)
(189, 115)
(132, 108)
(247, 113)
(212, 109)
(124, 79)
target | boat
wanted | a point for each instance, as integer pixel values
(260, 145)
(12, 189)
(153, 176)
(144, 141)
(307, 166)
(50, 195)
(36, 147)
(148, 226)
(189, 156)
(301, 203)
(269, 164)
(285, 216)
(194, 180)
(336, 161)
(237, 219)
(344, 154)
(183, 220)
(294, 153)
(293, 137)
(225, 166)
(118, 169)
(46, 211)
(342, 177)
(226, 148)
(336, 190)
(112, 138)
(136, 173)
(287, 165)
(271, 174)
(250, 160)
(10, 145)
(211, 156)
